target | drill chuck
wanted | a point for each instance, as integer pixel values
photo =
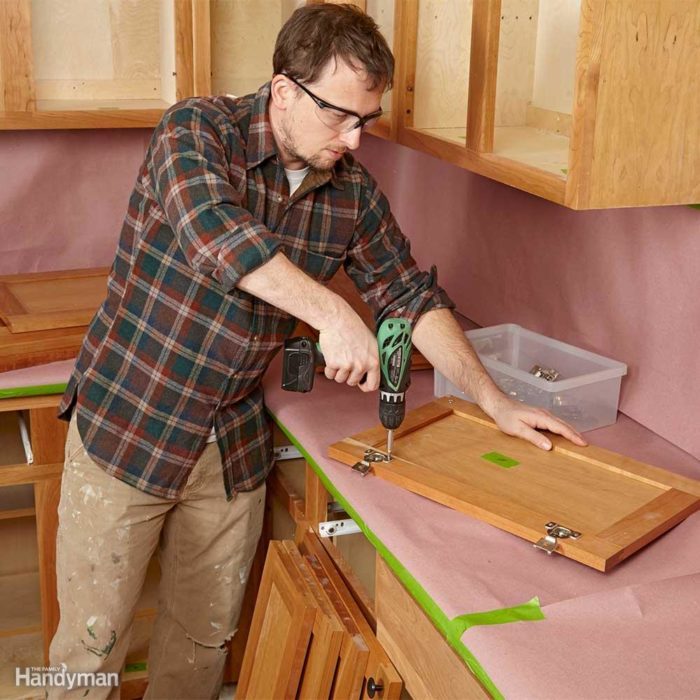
(392, 409)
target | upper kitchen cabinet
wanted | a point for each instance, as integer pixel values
(588, 103)
(74, 64)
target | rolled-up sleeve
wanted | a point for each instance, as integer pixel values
(189, 175)
(380, 264)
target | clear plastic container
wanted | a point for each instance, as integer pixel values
(585, 393)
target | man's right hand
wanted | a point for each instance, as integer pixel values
(349, 348)
(350, 351)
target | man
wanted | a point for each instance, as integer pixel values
(241, 212)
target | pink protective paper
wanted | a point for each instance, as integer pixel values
(468, 566)
(633, 642)
(53, 373)
(624, 283)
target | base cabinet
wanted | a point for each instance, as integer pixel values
(428, 666)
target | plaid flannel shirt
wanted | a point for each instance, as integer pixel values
(176, 347)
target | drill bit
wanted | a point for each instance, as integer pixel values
(389, 444)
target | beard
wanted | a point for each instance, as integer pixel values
(316, 161)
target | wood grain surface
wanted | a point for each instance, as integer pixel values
(48, 300)
(442, 451)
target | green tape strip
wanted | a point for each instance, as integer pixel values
(448, 628)
(40, 390)
(500, 460)
(137, 666)
(694, 206)
(530, 611)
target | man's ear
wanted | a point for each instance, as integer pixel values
(282, 91)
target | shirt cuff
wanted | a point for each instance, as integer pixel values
(249, 247)
(420, 299)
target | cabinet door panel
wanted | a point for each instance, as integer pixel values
(280, 632)
(448, 451)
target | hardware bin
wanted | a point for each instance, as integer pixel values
(585, 394)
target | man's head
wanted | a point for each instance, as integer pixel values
(331, 67)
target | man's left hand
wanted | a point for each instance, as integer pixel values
(515, 418)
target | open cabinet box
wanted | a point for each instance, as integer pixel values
(588, 103)
(242, 42)
(72, 64)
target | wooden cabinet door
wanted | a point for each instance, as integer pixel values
(451, 452)
(280, 632)
(308, 638)
(48, 300)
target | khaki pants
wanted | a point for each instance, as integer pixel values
(107, 534)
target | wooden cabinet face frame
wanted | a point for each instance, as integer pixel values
(469, 141)
(50, 81)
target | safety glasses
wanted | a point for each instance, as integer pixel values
(338, 118)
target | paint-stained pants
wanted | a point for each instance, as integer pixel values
(107, 534)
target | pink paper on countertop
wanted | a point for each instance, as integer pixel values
(52, 373)
(631, 642)
(465, 565)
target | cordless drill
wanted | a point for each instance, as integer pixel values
(394, 340)
(302, 356)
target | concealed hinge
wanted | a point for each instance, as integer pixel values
(555, 532)
(371, 456)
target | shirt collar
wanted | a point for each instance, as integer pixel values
(261, 142)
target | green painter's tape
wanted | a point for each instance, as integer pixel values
(500, 460)
(137, 666)
(40, 390)
(529, 611)
(448, 628)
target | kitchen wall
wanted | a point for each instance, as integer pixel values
(623, 283)
(63, 195)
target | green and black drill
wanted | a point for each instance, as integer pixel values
(302, 356)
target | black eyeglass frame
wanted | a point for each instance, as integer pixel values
(322, 104)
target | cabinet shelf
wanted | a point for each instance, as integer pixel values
(533, 147)
(17, 513)
(68, 65)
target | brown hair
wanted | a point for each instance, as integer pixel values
(316, 34)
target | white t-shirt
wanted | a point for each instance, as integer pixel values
(294, 178)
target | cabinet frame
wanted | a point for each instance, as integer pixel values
(605, 168)
(18, 108)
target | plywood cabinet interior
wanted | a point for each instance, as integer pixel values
(98, 63)
(243, 37)
(588, 103)
(240, 66)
